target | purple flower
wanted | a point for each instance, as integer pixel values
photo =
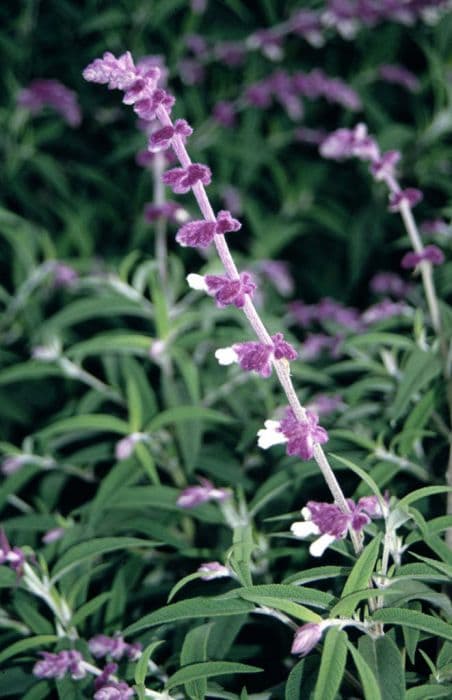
(410, 196)
(201, 233)
(400, 76)
(195, 495)
(172, 211)
(196, 44)
(64, 276)
(198, 6)
(384, 167)
(146, 108)
(162, 139)
(13, 556)
(310, 136)
(346, 143)
(54, 94)
(191, 71)
(259, 95)
(125, 447)
(389, 283)
(182, 180)
(282, 350)
(331, 523)
(302, 437)
(306, 638)
(308, 25)
(12, 464)
(114, 690)
(316, 343)
(268, 41)
(386, 308)
(58, 665)
(53, 535)
(323, 405)
(224, 113)
(277, 271)
(430, 253)
(213, 569)
(119, 73)
(435, 226)
(227, 291)
(101, 645)
(231, 53)
(253, 356)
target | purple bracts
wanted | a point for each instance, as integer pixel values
(162, 139)
(200, 233)
(431, 254)
(181, 180)
(57, 665)
(302, 437)
(102, 645)
(227, 291)
(410, 195)
(254, 357)
(195, 495)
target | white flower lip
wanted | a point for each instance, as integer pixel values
(197, 282)
(270, 435)
(226, 356)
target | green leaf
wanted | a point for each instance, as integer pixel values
(361, 573)
(362, 474)
(81, 424)
(419, 370)
(26, 644)
(8, 577)
(194, 650)
(299, 594)
(332, 665)
(240, 558)
(317, 574)
(89, 608)
(293, 684)
(385, 661)
(186, 413)
(411, 618)
(94, 548)
(429, 691)
(142, 666)
(369, 683)
(209, 669)
(112, 342)
(299, 612)
(198, 607)
(425, 492)
(183, 581)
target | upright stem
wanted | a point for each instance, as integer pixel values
(161, 249)
(281, 366)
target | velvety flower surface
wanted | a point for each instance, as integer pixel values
(410, 196)
(300, 437)
(181, 180)
(430, 253)
(384, 309)
(101, 645)
(200, 233)
(227, 291)
(162, 139)
(59, 664)
(330, 523)
(253, 356)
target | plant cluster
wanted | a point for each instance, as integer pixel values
(226, 361)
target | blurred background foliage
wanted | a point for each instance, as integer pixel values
(77, 195)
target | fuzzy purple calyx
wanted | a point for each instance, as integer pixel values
(227, 291)
(181, 180)
(302, 437)
(162, 139)
(200, 233)
(430, 253)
